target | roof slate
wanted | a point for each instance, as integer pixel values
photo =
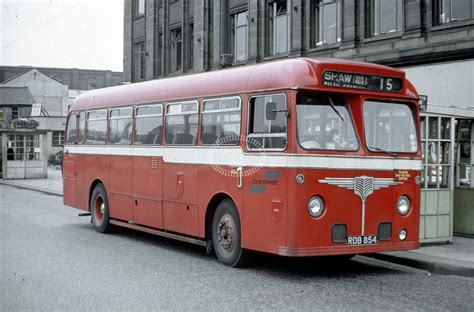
(15, 96)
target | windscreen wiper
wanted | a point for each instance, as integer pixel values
(334, 108)
(383, 151)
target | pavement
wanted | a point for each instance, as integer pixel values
(52, 185)
(456, 258)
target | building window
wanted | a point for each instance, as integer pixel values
(191, 46)
(138, 8)
(279, 22)
(384, 16)
(58, 138)
(139, 61)
(238, 40)
(326, 23)
(176, 49)
(465, 152)
(453, 10)
(14, 112)
(436, 140)
(24, 147)
(159, 54)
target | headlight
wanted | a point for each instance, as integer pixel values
(403, 205)
(315, 206)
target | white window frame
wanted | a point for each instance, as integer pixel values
(320, 16)
(273, 16)
(235, 28)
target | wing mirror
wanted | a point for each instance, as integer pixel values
(271, 111)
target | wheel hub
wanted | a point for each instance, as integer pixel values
(225, 233)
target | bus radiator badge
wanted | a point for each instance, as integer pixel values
(363, 187)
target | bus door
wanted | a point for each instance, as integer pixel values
(180, 188)
(265, 193)
(148, 170)
(147, 191)
(121, 166)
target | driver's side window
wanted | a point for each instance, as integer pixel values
(264, 133)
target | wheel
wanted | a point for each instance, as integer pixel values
(100, 209)
(226, 235)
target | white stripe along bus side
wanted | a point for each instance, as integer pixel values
(234, 156)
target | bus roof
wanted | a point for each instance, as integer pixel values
(296, 73)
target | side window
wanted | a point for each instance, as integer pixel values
(220, 123)
(71, 129)
(182, 123)
(96, 127)
(82, 128)
(149, 124)
(265, 134)
(120, 126)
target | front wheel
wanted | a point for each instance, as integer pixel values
(100, 209)
(226, 235)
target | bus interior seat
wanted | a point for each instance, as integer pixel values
(208, 138)
(183, 138)
(169, 138)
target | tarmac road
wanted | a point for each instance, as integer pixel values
(52, 259)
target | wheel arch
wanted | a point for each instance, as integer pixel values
(210, 210)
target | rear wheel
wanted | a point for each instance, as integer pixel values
(226, 235)
(100, 209)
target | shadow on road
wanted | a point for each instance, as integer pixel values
(329, 267)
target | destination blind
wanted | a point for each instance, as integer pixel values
(361, 81)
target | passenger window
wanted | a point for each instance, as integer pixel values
(96, 127)
(182, 123)
(82, 128)
(71, 129)
(220, 123)
(265, 134)
(120, 126)
(149, 124)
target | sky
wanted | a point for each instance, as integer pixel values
(85, 34)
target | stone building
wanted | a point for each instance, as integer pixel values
(22, 153)
(53, 90)
(75, 79)
(432, 40)
(173, 37)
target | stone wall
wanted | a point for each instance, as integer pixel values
(420, 42)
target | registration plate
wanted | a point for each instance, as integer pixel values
(362, 240)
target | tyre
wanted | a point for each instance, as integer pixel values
(226, 235)
(100, 209)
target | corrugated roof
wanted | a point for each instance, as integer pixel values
(15, 96)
